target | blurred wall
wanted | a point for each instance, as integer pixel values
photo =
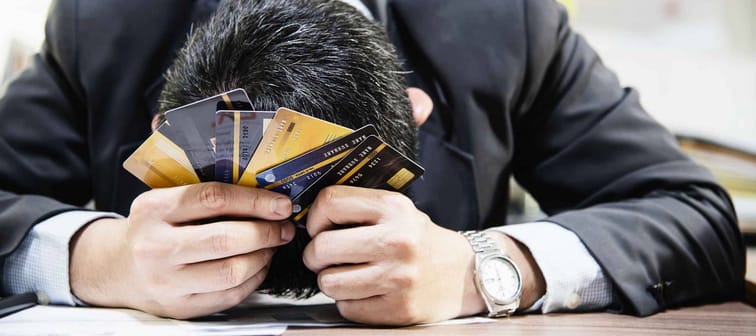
(21, 34)
(693, 61)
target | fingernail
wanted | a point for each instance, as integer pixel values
(281, 206)
(287, 232)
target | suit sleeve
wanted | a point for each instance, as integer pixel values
(44, 165)
(660, 227)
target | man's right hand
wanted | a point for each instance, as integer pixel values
(159, 260)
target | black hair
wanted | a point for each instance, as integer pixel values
(318, 57)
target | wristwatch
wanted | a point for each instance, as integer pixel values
(497, 278)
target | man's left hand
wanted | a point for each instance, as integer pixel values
(388, 263)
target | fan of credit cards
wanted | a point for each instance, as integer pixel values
(221, 139)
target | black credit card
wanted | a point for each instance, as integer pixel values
(372, 164)
(294, 176)
(195, 124)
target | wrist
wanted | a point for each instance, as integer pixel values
(96, 272)
(472, 303)
(533, 283)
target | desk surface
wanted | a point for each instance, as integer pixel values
(732, 318)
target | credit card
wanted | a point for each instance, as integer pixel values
(295, 175)
(160, 163)
(372, 164)
(237, 134)
(196, 124)
(290, 134)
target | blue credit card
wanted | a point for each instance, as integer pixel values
(372, 164)
(295, 175)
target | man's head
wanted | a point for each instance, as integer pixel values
(319, 57)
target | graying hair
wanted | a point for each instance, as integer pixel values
(319, 57)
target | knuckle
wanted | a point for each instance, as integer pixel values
(260, 276)
(328, 195)
(231, 273)
(213, 196)
(257, 202)
(269, 234)
(424, 218)
(220, 242)
(395, 200)
(146, 202)
(402, 245)
(403, 278)
(266, 255)
(329, 283)
(315, 252)
(321, 246)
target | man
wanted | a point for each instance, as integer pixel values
(634, 226)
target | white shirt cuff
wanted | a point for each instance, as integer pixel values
(40, 263)
(574, 280)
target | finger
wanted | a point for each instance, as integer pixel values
(337, 205)
(349, 246)
(197, 243)
(352, 282)
(156, 120)
(383, 310)
(371, 310)
(422, 105)
(222, 274)
(213, 302)
(212, 199)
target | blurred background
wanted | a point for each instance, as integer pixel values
(21, 34)
(693, 61)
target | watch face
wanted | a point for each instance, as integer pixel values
(499, 279)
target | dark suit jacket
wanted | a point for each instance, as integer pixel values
(516, 92)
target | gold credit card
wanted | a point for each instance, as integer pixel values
(295, 175)
(289, 135)
(160, 163)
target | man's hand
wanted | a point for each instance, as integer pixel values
(385, 262)
(162, 261)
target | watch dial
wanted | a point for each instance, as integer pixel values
(499, 279)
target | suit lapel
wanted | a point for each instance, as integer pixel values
(203, 10)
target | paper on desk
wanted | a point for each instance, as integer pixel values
(305, 316)
(56, 320)
(260, 316)
(314, 312)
